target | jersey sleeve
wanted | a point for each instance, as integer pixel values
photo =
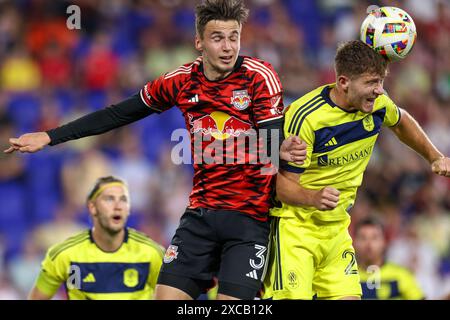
(155, 265)
(53, 273)
(392, 115)
(293, 125)
(161, 94)
(410, 289)
(267, 96)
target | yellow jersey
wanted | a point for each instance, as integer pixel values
(389, 281)
(90, 273)
(339, 146)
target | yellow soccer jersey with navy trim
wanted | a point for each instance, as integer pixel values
(339, 146)
(130, 273)
(388, 282)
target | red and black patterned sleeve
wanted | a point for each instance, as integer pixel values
(267, 92)
(161, 94)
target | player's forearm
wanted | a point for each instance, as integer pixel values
(292, 193)
(411, 134)
(115, 116)
(36, 294)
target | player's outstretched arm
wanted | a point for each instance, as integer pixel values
(29, 142)
(293, 149)
(98, 122)
(36, 294)
(289, 191)
(411, 134)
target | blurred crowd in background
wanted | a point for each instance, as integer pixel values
(50, 75)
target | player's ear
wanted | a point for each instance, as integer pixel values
(343, 82)
(92, 209)
(198, 43)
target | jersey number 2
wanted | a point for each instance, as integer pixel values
(350, 267)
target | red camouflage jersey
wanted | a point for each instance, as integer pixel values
(224, 113)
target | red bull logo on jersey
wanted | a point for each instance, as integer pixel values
(234, 127)
(171, 254)
(205, 125)
(220, 125)
(240, 99)
(235, 142)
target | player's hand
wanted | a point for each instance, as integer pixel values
(293, 149)
(326, 198)
(29, 142)
(441, 166)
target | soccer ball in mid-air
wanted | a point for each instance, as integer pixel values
(390, 31)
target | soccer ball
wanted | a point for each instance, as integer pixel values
(390, 31)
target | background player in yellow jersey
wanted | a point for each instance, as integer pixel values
(110, 261)
(381, 279)
(312, 251)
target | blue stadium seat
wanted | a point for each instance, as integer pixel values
(14, 204)
(43, 185)
(184, 19)
(127, 30)
(13, 215)
(307, 15)
(24, 110)
(157, 130)
(96, 99)
(65, 100)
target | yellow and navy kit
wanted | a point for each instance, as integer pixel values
(308, 260)
(339, 146)
(390, 281)
(90, 273)
(312, 251)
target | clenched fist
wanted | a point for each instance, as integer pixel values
(441, 166)
(326, 198)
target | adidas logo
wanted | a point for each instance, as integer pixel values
(89, 278)
(252, 274)
(194, 98)
(330, 143)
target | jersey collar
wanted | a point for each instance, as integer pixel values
(125, 238)
(326, 96)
